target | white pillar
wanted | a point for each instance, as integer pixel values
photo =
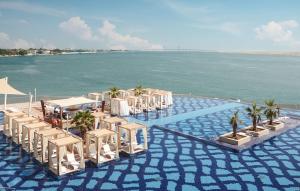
(30, 104)
(34, 94)
(5, 95)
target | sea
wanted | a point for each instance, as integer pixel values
(209, 74)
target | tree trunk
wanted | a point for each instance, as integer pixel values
(234, 128)
(254, 120)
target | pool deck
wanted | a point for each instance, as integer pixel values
(174, 160)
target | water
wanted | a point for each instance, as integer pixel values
(246, 77)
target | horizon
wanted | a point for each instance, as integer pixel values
(145, 25)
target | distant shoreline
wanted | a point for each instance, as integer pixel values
(262, 53)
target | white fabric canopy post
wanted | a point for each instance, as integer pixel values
(30, 104)
(6, 89)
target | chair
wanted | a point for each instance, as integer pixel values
(93, 151)
(107, 151)
(71, 161)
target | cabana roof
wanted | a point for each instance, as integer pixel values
(25, 119)
(65, 141)
(114, 120)
(101, 132)
(131, 126)
(73, 101)
(36, 125)
(5, 88)
(51, 132)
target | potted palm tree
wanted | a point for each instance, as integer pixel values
(234, 137)
(254, 112)
(114, 92)
(272, 111)
(138, 90)
(84, 121)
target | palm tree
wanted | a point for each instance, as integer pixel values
(138, 90)
(114, 92)
(278, 110)
(271, 110)
(254, 113)
(83, 120)
(234, 121)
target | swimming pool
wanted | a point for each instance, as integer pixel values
(173, 162)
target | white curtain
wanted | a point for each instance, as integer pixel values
(80, 151)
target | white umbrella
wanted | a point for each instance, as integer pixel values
(7, 89)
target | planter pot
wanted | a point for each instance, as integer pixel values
(240, 140)
(275, 126)
(260, 131)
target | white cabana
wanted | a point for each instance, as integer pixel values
(40, 142)
(17, 124)
(101, 147)
(8, 117)
(28, 133)
(99, 116)
(66, 155)
(112, 123)
(69, 103)
(119, 107)
(128, 141)
(95, 96)
(7, 89)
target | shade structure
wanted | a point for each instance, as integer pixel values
(68, 103)
(40, 143)
(73, 101)
(28, 133)
(66, 155)
(128, 141)
(7, 89)
(102, 146)
(17, 124)
(8, 117)
(112, 123)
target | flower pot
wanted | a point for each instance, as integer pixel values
(239, 140)
(260, 131)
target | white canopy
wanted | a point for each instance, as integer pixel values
(73, 101)
(5, 88)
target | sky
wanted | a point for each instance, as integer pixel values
(213, 25)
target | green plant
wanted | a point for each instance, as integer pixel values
(114, 92)
(271, 110)
(234, 121)
(254, 113)
(138, 90)
(84, 121)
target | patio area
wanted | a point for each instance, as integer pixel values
(173, 162)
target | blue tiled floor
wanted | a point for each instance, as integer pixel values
(172, 163)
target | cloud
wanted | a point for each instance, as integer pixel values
(7, 42)
(77, 27)
(278, 32)
(21, 43)
(45, 44)
(109, 30)
(3, 37)
(30, 8)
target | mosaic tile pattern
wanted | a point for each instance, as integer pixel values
(172, 162)
(181, 104)
(210, 125)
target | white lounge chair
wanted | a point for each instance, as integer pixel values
(93, 152)
(107, 151)
(72, 161)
